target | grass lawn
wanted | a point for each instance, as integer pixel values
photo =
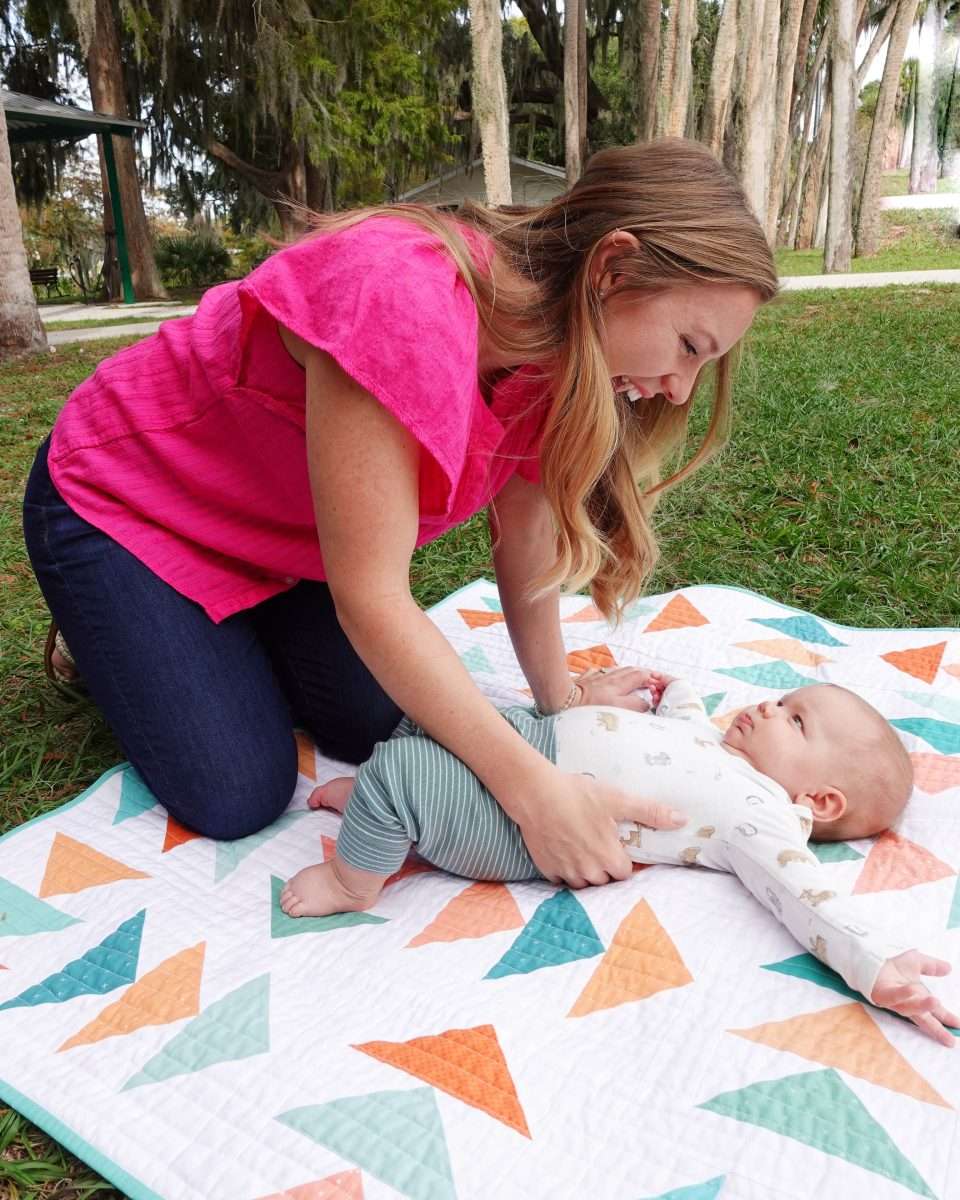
(912, 240)
(838, 495)
(90, 324)
(897, 183)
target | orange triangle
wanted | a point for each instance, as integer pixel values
(922, 662)
(896, 862)
(306, 755)
(480, 909)
(590, 613)
(725, 720)
(935, 772)
(678, 614)
(465, 1063)
(846, 1037)
(641, 961)
(478, 619)
(345, 1185)
(953, 669)
(594, 656)
(166, 994)
(177, 835)
(73, 866)
(788, 649)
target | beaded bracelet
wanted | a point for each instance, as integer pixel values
(573, 697)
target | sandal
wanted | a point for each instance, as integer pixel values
(58, 664)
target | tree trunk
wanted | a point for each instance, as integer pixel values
(490, 98)
(108, 95)
(759, 79)
(814, 187)
(574, 87)
(668, 58)
(641, 50)
(925, 162)
(839, 238)
(682, 73)
(717, 106)
(786, 59)
(21, 331)
(868, 216)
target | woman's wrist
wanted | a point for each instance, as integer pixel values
(573, 697)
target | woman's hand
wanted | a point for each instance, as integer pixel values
(572, 835)
(618, 687)
(898, 988)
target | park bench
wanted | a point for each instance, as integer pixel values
(47, 277)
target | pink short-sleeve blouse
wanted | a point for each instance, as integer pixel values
(189, 448)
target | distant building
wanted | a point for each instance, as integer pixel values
(531, 183)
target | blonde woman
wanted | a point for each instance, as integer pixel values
(223, 518)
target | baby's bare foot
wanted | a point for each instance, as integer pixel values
(333, 794)
(330, 887)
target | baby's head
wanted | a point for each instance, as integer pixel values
(831, 752)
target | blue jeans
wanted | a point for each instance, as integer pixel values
(205, 712)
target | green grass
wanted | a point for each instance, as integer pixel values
(912, 240)
(48, 325)
(837, 495)
(897, 183)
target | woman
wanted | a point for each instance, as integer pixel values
(223, 518)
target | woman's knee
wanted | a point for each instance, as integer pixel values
(357, 729)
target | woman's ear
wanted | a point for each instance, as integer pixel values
(612, 245)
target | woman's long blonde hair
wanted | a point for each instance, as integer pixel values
(601, 457)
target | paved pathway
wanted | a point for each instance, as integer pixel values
(929, 200)
(803, 283)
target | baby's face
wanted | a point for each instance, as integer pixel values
(797, 740)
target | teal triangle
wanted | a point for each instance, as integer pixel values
(834, 852)
(805, 966)
(806, 628)
(231, 854)
(953, 921)
(710, 702)
(638, 610)
(283, 926)
(395, 1136)
(235, 1026)
(818, 1109)
(695, 1191)
(135, 797)
(474, 659)
(493, 603)
(106, 967)
(22, 913)
(946, 708)
(776, 674)
(558, 932)
(941, 735)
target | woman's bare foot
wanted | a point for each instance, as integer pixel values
(333, 794)
(330, 887)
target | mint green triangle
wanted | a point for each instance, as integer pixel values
(946, 708)
(695, 1191)
(558, 932)
(818, 1109)
(806, 628)
(135, 797)
(283, 926)
(21, 913)
(638, 610)
(805, 966)
(396, 1136)
(710, 702)
(474, 659)
(493, 603)
(231, 854)
(235, 1026)
(778, 674)
(834, 852)
(954, 919)
(106, 967)
(941, 735)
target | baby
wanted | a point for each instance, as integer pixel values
(817, 761)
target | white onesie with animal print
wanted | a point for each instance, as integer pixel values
(740, 821)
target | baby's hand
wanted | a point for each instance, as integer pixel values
(657, 683)
(898, 988)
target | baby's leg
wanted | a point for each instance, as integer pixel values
(330, 887)
(333, 794)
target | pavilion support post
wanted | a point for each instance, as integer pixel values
(125, 276)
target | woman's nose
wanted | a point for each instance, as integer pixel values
(676, 390)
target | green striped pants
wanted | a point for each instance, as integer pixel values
(412, 791)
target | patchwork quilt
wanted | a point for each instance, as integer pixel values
(660, 1037)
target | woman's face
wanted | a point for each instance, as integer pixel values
(658, 344)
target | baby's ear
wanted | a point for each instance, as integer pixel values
(827, 804)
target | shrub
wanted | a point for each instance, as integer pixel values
(192, 259)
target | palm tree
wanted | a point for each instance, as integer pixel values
(20, 328)
(839, 241)
(489, 90)
(574, 86)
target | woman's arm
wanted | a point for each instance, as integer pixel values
(364, 470)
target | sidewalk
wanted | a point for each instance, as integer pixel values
(803, 283)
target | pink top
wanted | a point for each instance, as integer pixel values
(189, 448)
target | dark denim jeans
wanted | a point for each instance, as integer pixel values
(204, 712)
